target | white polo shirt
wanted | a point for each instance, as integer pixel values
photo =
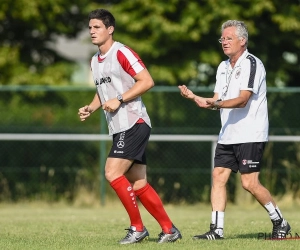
(248, 124)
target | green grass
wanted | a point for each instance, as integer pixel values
(42, 226)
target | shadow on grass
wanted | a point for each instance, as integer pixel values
(152, 240)
(245, 236)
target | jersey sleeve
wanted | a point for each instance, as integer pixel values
(130, 61)
(220, 76)
(253, 74)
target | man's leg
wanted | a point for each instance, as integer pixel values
(218, 191)
(152, 202)
(251, 183)
(218, 203)
(114, 173)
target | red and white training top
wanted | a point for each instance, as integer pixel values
(113, 75)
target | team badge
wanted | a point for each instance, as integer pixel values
(238, 73)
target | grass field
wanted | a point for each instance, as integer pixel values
(43, 226)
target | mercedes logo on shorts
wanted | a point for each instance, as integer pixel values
(120, 144)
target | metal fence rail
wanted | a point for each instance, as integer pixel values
(47, 152)
(103, 138)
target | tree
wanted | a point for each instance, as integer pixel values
(177, 39)
(26, 29)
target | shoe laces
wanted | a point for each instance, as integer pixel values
(211, 232)
(212, 229)
(129, 233)
(276, 228)
(161, 235)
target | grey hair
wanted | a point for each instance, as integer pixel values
(241, 28)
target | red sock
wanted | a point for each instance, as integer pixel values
(126, 194)
(152, 202)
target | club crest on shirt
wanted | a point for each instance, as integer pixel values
(238, 73)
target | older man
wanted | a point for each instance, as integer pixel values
(240, 95)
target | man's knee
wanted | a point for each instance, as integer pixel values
(251, 184)
(111, 176)
(220, 175)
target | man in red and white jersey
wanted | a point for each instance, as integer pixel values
(121, 78)
(240, 95)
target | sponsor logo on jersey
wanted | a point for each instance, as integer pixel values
(105, 80)
(102, 80)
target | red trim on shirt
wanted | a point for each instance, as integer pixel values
(100, 59)
(140, 121)
(126, 64)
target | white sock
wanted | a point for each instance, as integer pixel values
(278, 211)
(217, 218)
(274, 213)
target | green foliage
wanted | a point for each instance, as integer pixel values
(177, 39)
(26, 29)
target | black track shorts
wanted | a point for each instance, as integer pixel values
(243, 157)
(131, 144)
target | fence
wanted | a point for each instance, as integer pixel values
(46, 153)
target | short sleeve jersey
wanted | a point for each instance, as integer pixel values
(113, 75)
(248, 124)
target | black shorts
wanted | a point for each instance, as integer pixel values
(131, 144)
(243, 157)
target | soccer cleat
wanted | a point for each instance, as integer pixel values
(134, 236)
(174, 236)
(210, 235)
(280, 229)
